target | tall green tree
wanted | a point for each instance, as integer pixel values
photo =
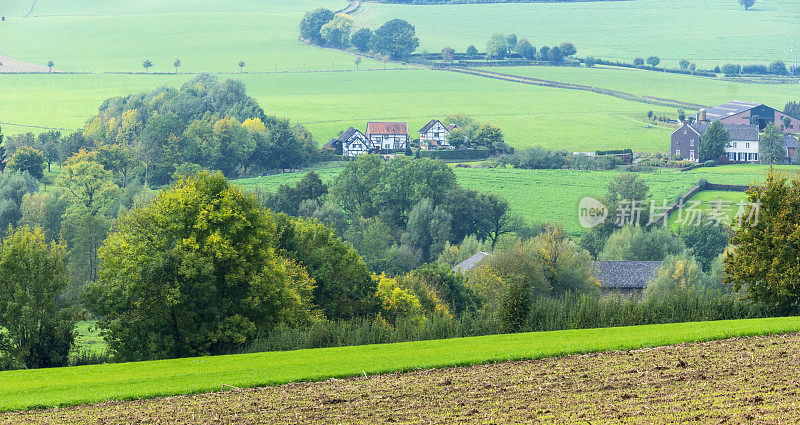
(27, 159)
(361, 39)
(344, 287)
(195, 272)
(770, 147)
(763, 256)
(568, 49)
(336, 32)
(714, 142)
(525, 49)
(91, 192)
(653, 61)
(396, 39)
(312, 23)
(497, 46)
(38, 325)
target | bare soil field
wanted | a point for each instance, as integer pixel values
(742, 380)
(9, 64)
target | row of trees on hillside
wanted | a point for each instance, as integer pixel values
(777, 67)
(395, 39)
(500, 46)
(398, 214)
(206, 123)
(182, 276)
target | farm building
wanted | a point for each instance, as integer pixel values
(350, 143)
(433, 135)
(627, 278)
(472, 262)
(685, 142)
(387, 136)
(745, 113)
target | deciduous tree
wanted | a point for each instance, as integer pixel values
(714, 142)
(763, 256)
(194, 272)
(38, 326)
(770, 147)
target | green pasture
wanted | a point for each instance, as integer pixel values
(708, 32)
(329, 102)
(709, 206)
(116, 36)
(553, 195)
(86, 384)
(686, 88)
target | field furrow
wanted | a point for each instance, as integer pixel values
(735, 380)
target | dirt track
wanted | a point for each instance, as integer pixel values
(734, 381)
(10, 64)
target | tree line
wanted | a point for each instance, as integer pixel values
(395, 39)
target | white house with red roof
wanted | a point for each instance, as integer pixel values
(387, 137)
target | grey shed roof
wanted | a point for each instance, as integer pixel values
(789, 141)
(738, 132)
(624, 274)
(727, 109)
(471, 262)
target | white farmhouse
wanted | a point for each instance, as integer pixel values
(433, 135)
(386, 137)
(350, 143)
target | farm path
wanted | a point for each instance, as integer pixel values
(731, 381)
(672, 103)
(9, 64)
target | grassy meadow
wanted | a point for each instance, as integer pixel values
(328, 102)
(712, 205)
(686, 88)
(705, 32)
(117, 35)
(553, 195)
(25, 389)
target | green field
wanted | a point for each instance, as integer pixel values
(85, 384)
(709, 32)
(328, 102)
(703, 91)
(713, 205)
(117, 35)
(553, 195)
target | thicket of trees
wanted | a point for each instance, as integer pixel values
(777, 67)
(395, 39)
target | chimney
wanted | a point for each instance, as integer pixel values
(701, 116)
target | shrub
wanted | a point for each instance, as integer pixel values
(710, 163)
(457, 155)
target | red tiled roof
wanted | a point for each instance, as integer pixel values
(393, 128)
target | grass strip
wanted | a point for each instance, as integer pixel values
(26, 389)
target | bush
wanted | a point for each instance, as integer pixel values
(710, 163)
(457, 155)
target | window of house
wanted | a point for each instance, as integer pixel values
(747, 145)
(733, 145)
(691, 142)
(677, 152)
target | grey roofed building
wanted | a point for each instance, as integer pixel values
(738, 132)
(789, 141)
(470, 263)
(628, 278)
(727, 109)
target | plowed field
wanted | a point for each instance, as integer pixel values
(730, 381)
